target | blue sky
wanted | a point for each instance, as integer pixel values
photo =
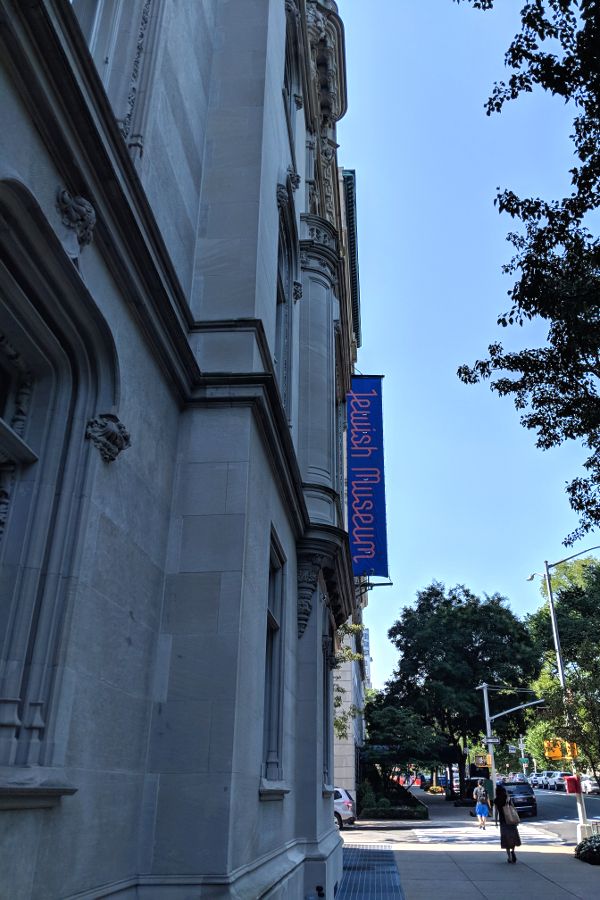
(470, 500)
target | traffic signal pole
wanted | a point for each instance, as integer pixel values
(490, 740)
(488, 732)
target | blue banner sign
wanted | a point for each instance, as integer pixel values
(366, 485)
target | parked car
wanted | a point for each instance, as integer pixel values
(534, 780)
(545, 776)
(557, 782)
(343, 807)
(520, 778)
(523, 798)
(589, 784)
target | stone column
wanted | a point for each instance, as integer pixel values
(318, 315)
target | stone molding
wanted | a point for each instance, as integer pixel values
(108, 435)
(125, 123)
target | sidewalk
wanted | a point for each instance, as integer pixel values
(449, 858)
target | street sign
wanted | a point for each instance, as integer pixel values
(492, 740)
(524, 760)
(512, 748)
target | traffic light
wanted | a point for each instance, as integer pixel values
(553, 749)
(571, 749)
(488, 759)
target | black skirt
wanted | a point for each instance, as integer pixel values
(509, 836)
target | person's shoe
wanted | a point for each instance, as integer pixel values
(513, 855)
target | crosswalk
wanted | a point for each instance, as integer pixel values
(467, 834)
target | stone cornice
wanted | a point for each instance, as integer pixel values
(49, 61)
(330, 545)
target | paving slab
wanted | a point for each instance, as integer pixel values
(449, 858)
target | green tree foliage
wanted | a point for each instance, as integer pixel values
(575, 717)
(449, 642)
(398, 737)
(556, 265)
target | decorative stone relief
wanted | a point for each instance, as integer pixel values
(297, 290)
(6, 480)
(291, 8)
(328, 159)
(125, 123)
(316, 22)
(109, 435)
(283, 198)
(328, 654)
(294, 178)
(79, 216)
(299, 101)
(308, 574)
(17, 411)
(21, 397)
(320, 236)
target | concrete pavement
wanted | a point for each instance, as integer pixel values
(449, 858)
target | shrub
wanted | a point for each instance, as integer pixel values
(588, 850)
(395, 812)
(365, 795)
(435, 789)
(383, 803)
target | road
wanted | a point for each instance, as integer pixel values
(558, 811)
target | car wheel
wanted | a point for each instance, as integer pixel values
(338, 820)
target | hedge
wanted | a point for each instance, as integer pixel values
(395, 812)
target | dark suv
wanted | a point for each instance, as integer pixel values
(522, 797)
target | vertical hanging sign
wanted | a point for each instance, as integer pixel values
(366, 485)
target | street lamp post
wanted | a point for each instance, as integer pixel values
(583, 827)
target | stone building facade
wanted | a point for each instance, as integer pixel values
(178, 324)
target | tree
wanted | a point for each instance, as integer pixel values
(574, 716)
(557, 259)
(397, 738)
(449, 643)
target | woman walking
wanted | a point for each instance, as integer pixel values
(509, 833)
(482, 803)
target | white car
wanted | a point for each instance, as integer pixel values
(343, 806)
(589, 784)
(557, 782)
(545, 776)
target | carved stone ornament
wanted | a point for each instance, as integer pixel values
(308, 574)
(125, 124)
(283, 198)
(321, 236)
(297, 290)
(294, 178)
(78, 214)
(109, 435)
(329, 656)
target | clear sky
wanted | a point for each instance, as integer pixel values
(470, 500)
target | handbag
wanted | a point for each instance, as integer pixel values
(511, 816)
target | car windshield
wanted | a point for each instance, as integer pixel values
(519, 788)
